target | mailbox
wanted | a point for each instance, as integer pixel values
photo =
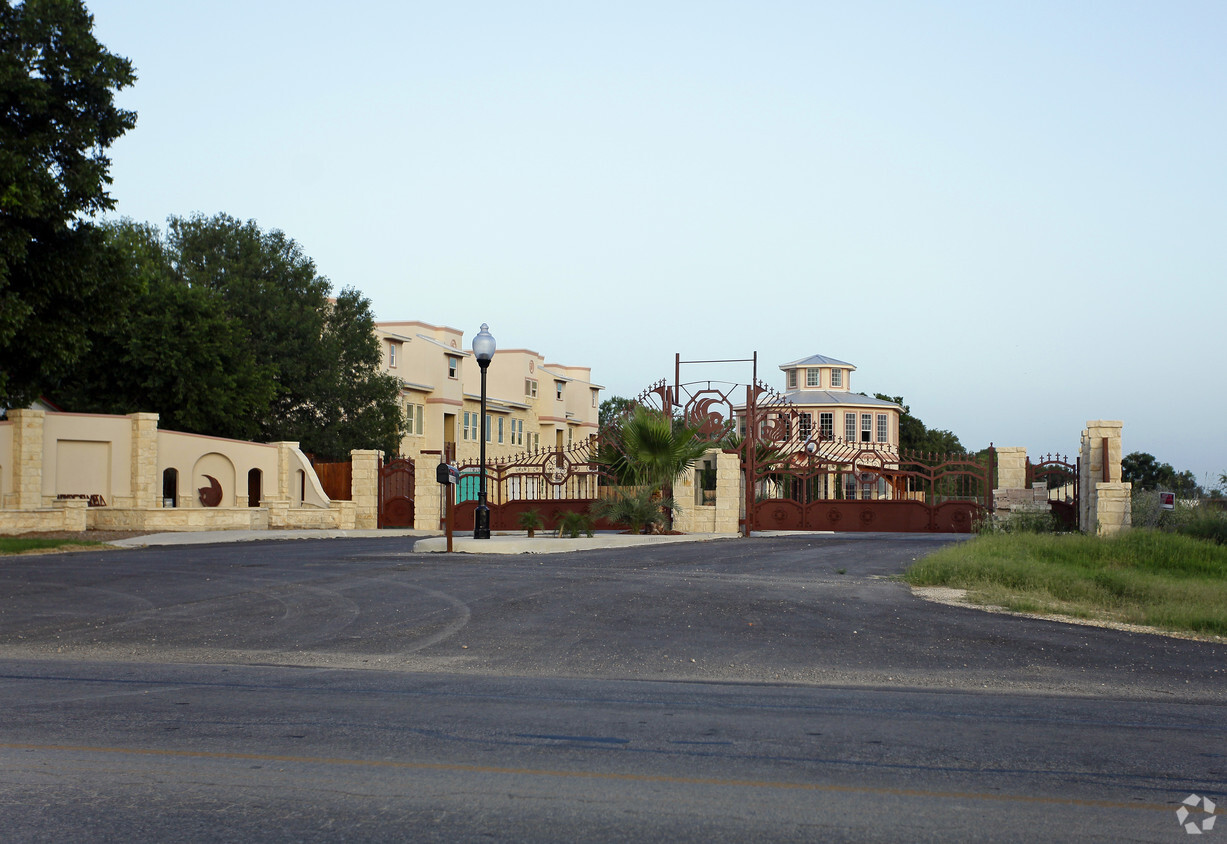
(446, 474)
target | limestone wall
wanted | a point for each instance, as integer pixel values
(722, 515)
(119, 464)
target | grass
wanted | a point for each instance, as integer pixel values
(1166, 580)
(22, 545)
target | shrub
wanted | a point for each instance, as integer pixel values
(531, 521)
(1019, 521)
(571, 524)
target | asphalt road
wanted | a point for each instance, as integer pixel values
(764, 689)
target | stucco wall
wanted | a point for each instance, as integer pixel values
(193, 456)
(87, 454)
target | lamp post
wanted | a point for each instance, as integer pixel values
(483, 350)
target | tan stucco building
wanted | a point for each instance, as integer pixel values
(531, 404)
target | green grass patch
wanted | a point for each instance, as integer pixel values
(1166, 580)
(21, 545)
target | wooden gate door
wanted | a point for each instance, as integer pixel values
(396, 494)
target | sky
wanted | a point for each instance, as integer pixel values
(1011, 214)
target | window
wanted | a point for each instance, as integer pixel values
(452, 363)
(594, 395)
(792, 379)
(500, 430)
(558, 390)
(530, 387)
(805, 426)
(391, 356)
(470, 426)
(534, 439)
(866, 427)
(415, 415)
(850, 427)
(813, 377)
(517, 432)
(826, 425)
(570, 437)
(488, 427)
(837, 377)
(883, 431)
(850, 486)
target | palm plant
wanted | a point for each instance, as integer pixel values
(531, 521)
(649, 448)
(634, 507)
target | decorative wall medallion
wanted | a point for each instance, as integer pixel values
(211, 495)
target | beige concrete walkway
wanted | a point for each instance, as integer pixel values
(499, 543)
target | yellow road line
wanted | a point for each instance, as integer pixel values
(600, 775)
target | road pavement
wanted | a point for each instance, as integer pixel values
(785, 688)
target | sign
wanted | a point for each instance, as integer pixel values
(1167, 500)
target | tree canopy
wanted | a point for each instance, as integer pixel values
(1144, 471)
(229, 331)
(915, 437)
(57, 119)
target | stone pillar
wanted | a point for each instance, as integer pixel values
(728, 493)
(428, 501)
(74, 513)
(1011, 467)
(684, 494)
(282, 492)
(27, 458)
(1104, 507)
(146, 484)
(364, 483)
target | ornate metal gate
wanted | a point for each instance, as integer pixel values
(552, 482)
(396, 480)
(1061, 478)
(795, 478)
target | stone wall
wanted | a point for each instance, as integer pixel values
(719, 517)
(126, 457)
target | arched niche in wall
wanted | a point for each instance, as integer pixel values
(170, 487)
(255, 488)
(213, 480)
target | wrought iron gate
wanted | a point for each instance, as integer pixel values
(1061, 478)
(396, 483)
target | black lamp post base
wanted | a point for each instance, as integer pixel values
(481, 522)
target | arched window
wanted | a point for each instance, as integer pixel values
(170, 488)
(255, 483)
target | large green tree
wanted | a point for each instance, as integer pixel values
(915, 437)
(1144, 471)
(57, 119)
(234, 334)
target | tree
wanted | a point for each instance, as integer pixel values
(57, 119)
(1144, 471)
(612, 408)
(233, 334)
(173, 349)
(915, 437)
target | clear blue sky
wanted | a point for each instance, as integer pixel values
(1012, 214)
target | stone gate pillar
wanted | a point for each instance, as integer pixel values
(1104, 506)
(364, 485)
(27, 491)
(146, 482)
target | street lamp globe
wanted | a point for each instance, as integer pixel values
(484, 346)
